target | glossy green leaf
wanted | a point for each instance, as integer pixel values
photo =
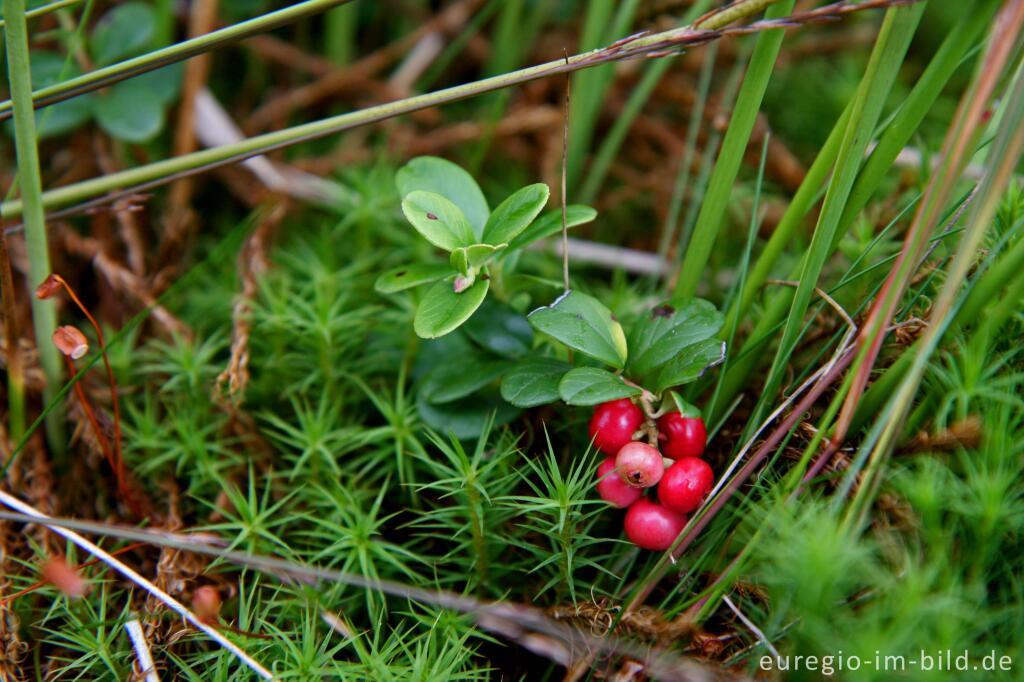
(459, 377)
(434, 174)
(465, 418)
(665, 331)
(164, 83)
(515, 214)
(534, 381)
(439, 220)
(124, 31)
(551, 223)
(691, 364)
(592, 385)
(500, 329)
(408, 276)
(129, 113)
(443, 310)
(583, 323)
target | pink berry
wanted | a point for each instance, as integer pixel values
(683, 436)
(612, 488)
(652, 526)
(614, 424)
(639, 465)
(685, 484)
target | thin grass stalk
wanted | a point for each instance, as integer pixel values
(961, 141)
(988, 288)
(600, 26)
(134, 577)
(1010, 143)
(893, 40)
(108, 75)
(675, 205)
(44, 313)
(734, 145)
(161, 172)
(45, 9)
(612, 142)
(340, 33)
(896, 135)
(15, 370)
(520, 623)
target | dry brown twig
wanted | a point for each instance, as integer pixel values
(252, 264)
(129, 573)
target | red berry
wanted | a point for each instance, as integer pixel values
(639, 465)
(612, 488)
(614, 424)
(683, 436)
(685, 484)
(652, 526)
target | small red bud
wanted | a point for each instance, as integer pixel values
(65, 578)
(70, 341)
(206, 603)
(50, 287)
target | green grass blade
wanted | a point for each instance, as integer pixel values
(612, 142)
(748, 102)
(893, 40)
(169, 55)
(44, 313)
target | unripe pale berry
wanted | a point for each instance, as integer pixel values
(685, 484)
(614, 424)
(612, 488)
(682, 436)
(639, 465)
(652, 526)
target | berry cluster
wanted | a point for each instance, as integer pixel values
(617, 428)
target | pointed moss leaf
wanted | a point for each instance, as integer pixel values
(534, 381)
(592, 385)
(124, 31)
(434, 174)
(551, 223)
(461, 376)
(583, 323)
(500, 329)
(662, 334)
(443, 310)
(440, 221)
(465, 418)
(129, 113)
(515, 214)
(408, 276)
(691, 364)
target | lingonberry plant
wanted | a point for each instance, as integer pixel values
(472, 314)
(573, 350)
